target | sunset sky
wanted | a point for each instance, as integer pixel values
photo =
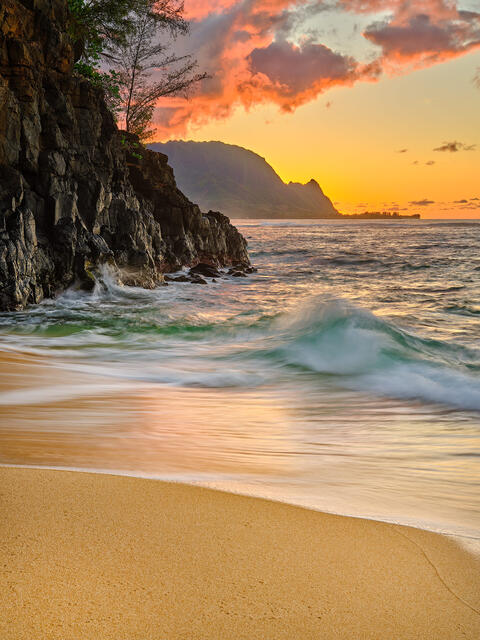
(378, 100)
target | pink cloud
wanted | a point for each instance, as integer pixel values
(198, 9)
(291, 75)
(247, 47)
(420, 40)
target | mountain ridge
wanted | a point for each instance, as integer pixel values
(240, 182)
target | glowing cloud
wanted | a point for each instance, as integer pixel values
(256, 53)
(422, 39)
(291, 75)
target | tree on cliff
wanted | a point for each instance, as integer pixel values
(96, 24)
(146, 69)
(127, 35)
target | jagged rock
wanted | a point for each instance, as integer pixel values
(206, 270)
(72, 193)
(181, 278)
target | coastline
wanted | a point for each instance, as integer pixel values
(95, 555)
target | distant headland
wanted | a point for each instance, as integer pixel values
(242, 184)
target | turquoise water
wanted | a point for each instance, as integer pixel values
(344, 375)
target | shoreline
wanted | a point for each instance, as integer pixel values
(96, 555)
(469, 538)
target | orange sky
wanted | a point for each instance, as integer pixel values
(378, 100)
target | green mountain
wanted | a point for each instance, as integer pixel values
(240, 183)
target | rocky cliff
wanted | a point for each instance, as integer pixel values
(72, 195)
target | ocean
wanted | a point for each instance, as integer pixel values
(344, 375)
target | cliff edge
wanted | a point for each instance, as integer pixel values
(72, 193)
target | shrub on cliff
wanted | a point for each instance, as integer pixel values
(147, 70)
(126, 35)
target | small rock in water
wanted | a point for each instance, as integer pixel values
(240, 270)
(198, 273)
(206, 270)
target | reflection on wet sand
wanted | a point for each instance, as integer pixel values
(267, 442)
(131, 427)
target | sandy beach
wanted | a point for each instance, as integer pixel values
(107, 557)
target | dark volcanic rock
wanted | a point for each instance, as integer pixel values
(181, 278)
(206, 270)
(72, 196)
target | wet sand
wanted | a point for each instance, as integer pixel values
(105, 557)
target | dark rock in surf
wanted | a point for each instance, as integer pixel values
(205, 270)
(181, 278)
(74, 191)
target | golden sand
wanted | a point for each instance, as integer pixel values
(86, 556)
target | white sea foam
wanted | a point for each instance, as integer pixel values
(369, 354)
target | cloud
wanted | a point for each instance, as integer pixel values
(402, 151)
(454, 147)
(467, 205)
(265, 51)
(291, 75)
(460, 201)
(434, 33)
(422, 203)
(430, 163)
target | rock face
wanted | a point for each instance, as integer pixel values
(74, 192)
(241, 183)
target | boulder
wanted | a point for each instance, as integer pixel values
(205, 270)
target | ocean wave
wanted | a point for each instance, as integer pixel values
(143, 335)
(463, 309)
(365, 353)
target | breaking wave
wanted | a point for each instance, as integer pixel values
(366, 353)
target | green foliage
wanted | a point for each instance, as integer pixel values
(96, 23)
(131, 147)
(148, 70)
(125, 34)
(93, 24)
(108, 81)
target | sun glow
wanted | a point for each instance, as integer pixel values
(334, 95)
